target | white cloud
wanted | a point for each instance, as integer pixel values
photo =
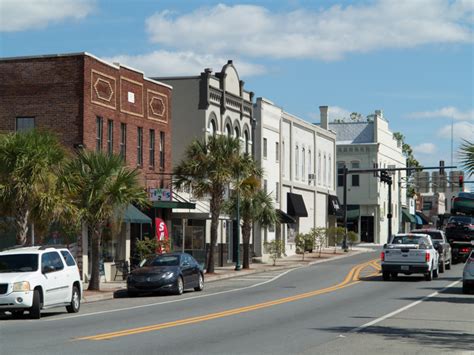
(164, 63)
(326, 34)
(424, 148)
(336, 112)
(461, 130)
(20, 15)
(445, 112)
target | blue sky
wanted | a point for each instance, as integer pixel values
(411, 58)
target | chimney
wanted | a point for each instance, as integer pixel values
(324, 117)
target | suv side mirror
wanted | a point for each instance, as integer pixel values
(48, 268)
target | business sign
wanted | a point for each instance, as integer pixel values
(159, 194)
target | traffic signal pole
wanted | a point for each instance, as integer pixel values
(344, 243)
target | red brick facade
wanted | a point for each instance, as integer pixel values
(65, 94)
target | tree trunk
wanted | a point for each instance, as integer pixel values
(246, 229)
(215, 211)
(22, 226)
(94, 282)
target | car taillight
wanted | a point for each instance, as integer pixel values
(427, 257)
(464, 250)
(382, 256)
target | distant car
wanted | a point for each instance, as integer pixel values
(36, 278)
(460, 232)
(171, 272)
(468, 274)
(441, 244)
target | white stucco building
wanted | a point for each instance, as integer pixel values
(365, 145)
(298, 159)
(210, 103)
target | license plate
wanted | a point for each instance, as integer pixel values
(405, 267)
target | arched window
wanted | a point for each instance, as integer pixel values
(237, 132)
(247, 141)
(212, 127)
(228, 130)
(303, 165)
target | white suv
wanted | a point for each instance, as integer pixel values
(36, 278)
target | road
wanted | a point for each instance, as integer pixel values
(336, 307)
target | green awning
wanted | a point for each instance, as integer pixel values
(407, 217)
(174, 204)
(134, 215)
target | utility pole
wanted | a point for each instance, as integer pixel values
(344, 243)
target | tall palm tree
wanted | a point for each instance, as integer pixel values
(256, 206)
(30, 164)
(208, 167)
(467, 156)
(101, 184)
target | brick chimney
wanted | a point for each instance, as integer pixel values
(324, 116)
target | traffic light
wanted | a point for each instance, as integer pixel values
(441, 167)
(385, 177)
(461, 181)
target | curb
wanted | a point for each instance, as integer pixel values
(108, 295)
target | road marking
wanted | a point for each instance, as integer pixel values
(171, 301)
(352, 278)
(378, 320)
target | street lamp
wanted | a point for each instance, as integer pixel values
(237, 254)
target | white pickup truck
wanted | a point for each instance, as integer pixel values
(410, 254)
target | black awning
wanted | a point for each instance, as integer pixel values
(334, 207)
(284, 217)
(295, 205)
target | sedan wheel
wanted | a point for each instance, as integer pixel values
(179, 286)
(200, 286)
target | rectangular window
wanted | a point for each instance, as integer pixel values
(123, 141)
(277, 192)
(277, 151)
(25, 124)
(152, 148)
(355, 177)
(264, 147)
(110, 136)
(340, 173)
(162, 150)
(139, 146)
(100, 134)
(265, 186)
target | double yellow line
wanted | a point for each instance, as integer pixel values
(352, 278)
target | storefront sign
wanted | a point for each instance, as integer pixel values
(159, 194)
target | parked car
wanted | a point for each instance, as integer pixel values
(441, 244)
(460, 232)
(37, 278)
(172, 272)
(410, 254)
(468, 274)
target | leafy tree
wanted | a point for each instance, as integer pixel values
(275, 248)
(101, 184)
(302, 241)
(410, 158)
(146, 247)
(30, 191)
(208, 167)
(335, 236)
(467, 156)
(352, 237)
(319, 236)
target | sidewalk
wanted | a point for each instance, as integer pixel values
(109, 289)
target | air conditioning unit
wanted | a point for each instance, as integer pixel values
(311, 177)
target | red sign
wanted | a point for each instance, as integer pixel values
(161, 233)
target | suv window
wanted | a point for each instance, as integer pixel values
(435, 235)
(52, 259)
(18, 263)
(68, 257)
(461, 219)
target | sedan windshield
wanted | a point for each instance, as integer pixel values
(18, 263)
(164, 260)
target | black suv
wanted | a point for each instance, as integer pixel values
(460, 232)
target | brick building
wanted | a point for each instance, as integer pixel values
(96, 105)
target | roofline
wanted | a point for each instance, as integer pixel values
(77, 54)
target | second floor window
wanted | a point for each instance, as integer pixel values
(277, 152)
(264, 147)
(297, 162)
(162, 149)
(340, 173)
(100, 134)
(355, 177)
(152, 148)
(110, 136)
(139, 146)
(123, 141)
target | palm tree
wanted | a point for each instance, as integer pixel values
(256, 206)
(30, 164)
(467, 156)
(208, 167)
(101, 184)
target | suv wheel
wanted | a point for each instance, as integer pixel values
(442, 266)
(436, 273)
(75, 304)
(429, 275)
(35, 310)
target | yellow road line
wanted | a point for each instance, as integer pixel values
(352, 278)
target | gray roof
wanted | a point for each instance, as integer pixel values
(353, 132)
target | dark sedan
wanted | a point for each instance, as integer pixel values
(172, 272)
